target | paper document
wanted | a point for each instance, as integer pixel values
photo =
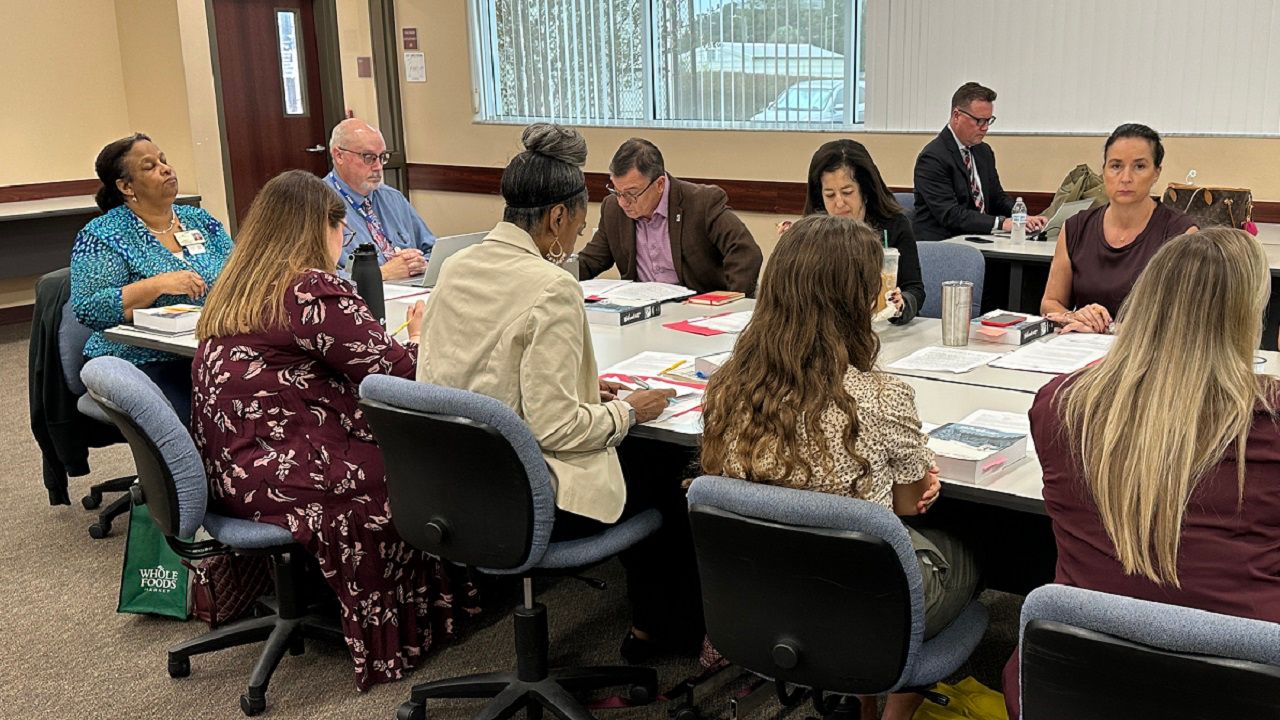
(943, 359)
(643, 293)
(681, 390)
(649, 364)
(1058, 355)
(730, 323)
(393, 291)
(600, 287)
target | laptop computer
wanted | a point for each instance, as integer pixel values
(1050, 231)
(444, 248)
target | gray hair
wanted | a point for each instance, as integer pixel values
(546, 174)
(638, 154)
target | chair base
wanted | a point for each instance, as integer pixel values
(119, 506)
(287, 628)
(532, 685)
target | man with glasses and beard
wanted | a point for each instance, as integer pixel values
(376, 214)
(957, 187)
(658, 228)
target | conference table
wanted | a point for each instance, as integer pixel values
(1024, 296)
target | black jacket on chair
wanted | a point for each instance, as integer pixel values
(63, 433)
(944, 207)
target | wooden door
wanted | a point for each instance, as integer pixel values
(273, 111)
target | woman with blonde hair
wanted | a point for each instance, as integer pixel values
(1161, 462)
(284, 344)
(800, 404)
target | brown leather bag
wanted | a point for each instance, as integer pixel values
(225, 587)
(1211, 206)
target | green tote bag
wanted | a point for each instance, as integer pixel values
(154, 580)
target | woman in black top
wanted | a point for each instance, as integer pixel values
(844, 180)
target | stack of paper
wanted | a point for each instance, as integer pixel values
(625, 292)
(1058, 355)
(713, 324)
(944, 359)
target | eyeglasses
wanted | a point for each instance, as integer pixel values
(630, 197)
(369, 158)
(348, 235)
(980, 122)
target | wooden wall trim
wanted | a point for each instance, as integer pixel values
(41, 191)
(765, 196)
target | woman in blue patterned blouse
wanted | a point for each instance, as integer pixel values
(142, 252)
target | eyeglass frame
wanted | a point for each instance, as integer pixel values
(347, 234)
(630, 197)
(980, 122)
(367, 157)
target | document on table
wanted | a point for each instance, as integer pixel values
(730, 322)
(393, 291)
(944, 359)
(1058, 355)
(1016, 423)
(649, 364)
(601, 287)
(625, 292)
(684, 411)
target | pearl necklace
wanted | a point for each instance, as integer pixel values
(173, 220)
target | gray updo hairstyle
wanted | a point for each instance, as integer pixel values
(546, 174)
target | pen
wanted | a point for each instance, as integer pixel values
(403, 325)
(677, 364)
(637, 381)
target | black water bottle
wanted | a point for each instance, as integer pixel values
(368, 279)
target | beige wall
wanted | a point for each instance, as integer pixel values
(61, 87)
(359, 94)
(439, 128)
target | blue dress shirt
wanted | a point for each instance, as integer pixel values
(401, 223)
(115, 249)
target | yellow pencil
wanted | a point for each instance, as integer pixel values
(673, 367)
(403, 325)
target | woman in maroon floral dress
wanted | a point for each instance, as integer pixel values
(284, 345)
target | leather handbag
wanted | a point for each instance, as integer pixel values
(225, 587)
(1211, 206)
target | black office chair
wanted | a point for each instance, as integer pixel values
(819, 591)
(64, 419)
(172, 483)
(467, 482)
(1088, 654)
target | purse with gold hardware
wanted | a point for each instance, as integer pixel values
(1211, 206)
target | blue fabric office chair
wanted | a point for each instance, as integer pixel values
(172, 483)
(907, 200)
(66, 422)
(468, 483)
(1088, 654)
(943, 261)
(819, 591)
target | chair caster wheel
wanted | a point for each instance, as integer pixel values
(179, 667)
(252, 705)
(98, 530)
(91, 501)
(641, 694)
(410, 710)
(686, 713)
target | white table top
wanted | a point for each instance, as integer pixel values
(51, 207)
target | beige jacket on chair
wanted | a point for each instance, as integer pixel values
(504, 322)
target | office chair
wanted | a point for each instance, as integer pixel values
(1088, 654)
(907, 200)
(819, 591)
(65, 420)
(172, 484)
(943, 261)
(467, 483)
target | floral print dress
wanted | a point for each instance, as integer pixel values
(283, 440)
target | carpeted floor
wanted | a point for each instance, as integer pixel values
(65, 653)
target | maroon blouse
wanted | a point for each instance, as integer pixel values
(1229, 558)
(1103, 274)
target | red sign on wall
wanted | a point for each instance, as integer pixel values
(410, 37)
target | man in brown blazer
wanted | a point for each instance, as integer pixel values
(657, 228)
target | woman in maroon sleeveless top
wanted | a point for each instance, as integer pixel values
(1161, 462)
(1102, 251)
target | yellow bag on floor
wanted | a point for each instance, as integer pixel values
(970, 700)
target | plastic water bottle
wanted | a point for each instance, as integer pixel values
(1019, 221)
(368, 279)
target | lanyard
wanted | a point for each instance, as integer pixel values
(370, 220)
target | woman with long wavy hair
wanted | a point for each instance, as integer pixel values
(800, 404)
(1162, 462)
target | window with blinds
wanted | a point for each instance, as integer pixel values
(786, 64)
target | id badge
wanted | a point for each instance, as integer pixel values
(190, 238)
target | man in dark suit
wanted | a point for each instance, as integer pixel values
(958, 190)
(657, 228)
